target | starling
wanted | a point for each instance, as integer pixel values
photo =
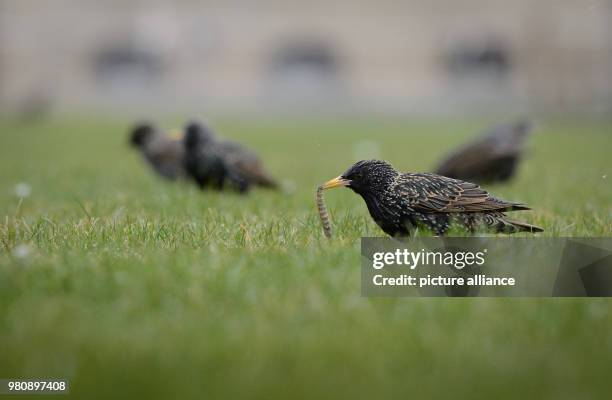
(401, 202)
(213, 162)
(165, 155)
(205, 163)
(492, 157)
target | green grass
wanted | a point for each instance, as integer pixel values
(130, 286)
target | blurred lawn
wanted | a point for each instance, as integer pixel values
(129, 286)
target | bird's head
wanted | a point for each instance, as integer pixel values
(364, 176)
(197, 134)
(141, 133)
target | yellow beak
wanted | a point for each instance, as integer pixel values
(336, 182)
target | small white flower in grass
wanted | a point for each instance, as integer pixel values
(23, 189)
(604, 176)
(22, 251)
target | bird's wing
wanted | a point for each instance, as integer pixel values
(474, 155)
(435, 193)
(245, 162)
(505, 140)
(165, 150)
(238, 152)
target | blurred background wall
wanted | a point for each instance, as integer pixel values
(427, 57)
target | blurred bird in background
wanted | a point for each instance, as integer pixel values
(163, 153)
(204, 163)
(214, 163)
(492, 157)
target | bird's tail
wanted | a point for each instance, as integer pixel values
(512, 226)
(267, 182)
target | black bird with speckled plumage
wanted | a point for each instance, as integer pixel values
(402, 202)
